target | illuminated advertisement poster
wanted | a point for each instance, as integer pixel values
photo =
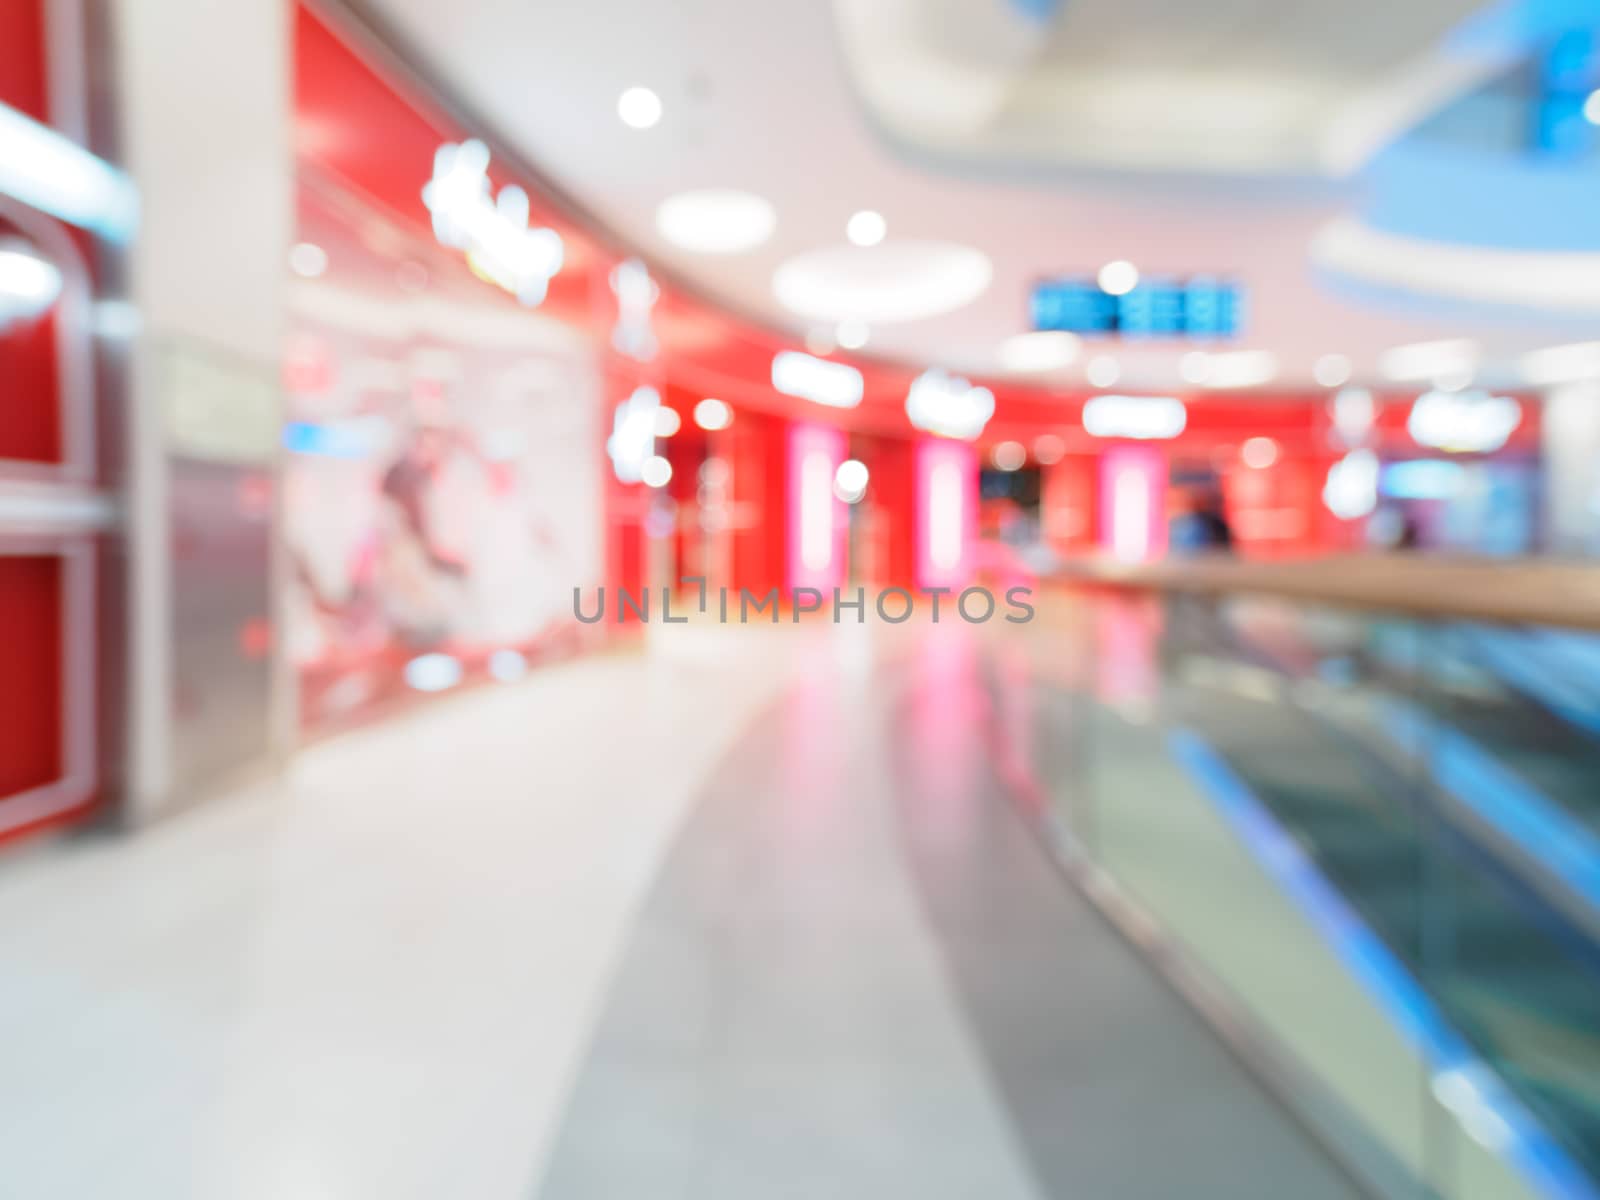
(443, 450)
(442, 495)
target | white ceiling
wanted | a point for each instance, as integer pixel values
(759, 96)
(1228, 86)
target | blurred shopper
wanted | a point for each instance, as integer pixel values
(1201, 526)
(1395, 530)
(423, 578)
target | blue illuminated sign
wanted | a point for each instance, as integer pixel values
(1199, 307)
(1568, 73)
(1423, 479)
(348, 439)
(1042, 11)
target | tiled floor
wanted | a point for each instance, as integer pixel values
(858, 976)
(745, 916)
(374, 980)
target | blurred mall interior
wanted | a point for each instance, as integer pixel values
(724, 599)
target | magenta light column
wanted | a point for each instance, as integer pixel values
(947, 512)
(1133, 501)
(818, 521)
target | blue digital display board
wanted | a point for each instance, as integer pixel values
(1198, 307)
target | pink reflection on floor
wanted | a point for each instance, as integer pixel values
(949, 726)
(1127, 650)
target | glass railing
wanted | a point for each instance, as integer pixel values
(1373, 838)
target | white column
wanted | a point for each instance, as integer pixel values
(203, 100)
(1571, 431)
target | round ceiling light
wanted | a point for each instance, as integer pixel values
(1026, 353)
(656, 472)
(1102, 370)
(850, 480)
(1049, 449)
(308, 260)
(1009, 456)
(882, 284)
(712, 414)
(851, 335)
(1118, 278)
(1195, 366)
(639, 108)
(1331, 370)
(820, 342)
(29, 282)
(668, 422)
(866, 228)
(1259, 452)
(716, 220)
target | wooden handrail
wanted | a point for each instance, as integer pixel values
(1509, 591)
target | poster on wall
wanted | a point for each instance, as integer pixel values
(442, 495)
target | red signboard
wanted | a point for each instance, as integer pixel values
(46, 682)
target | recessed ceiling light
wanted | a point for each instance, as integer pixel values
(850, 480)
(1591, 108)
(668, 422)
(1427, 360)
(1009, 456)
(639, 108)
(1049, 449)
(656, 472)
(1145, 418)
(433, 672)
(1118, 278)
(507, 665)
(892, 281)
(716, 220)
(29, 282)
(820, 342)
(1354, 411)
(1195, 366)
(1102, 370)
(712, 415)
(866, 228)
(1331, 370)
(1026, 353)
(819, 380)
(948, 405)
(1240, 369)
(851, 335)
(308, 259)
(1259, 452)
(1562, 364)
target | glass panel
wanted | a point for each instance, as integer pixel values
(1381, 838)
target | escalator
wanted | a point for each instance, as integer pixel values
(1509, 972)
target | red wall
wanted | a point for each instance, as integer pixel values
(24, 81)
(756, 448)
(31, 599)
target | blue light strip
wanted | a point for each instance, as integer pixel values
(346, 440)
(1499, 798)
(1537, 1157)
(1040, 11)
(1514, 28)
(1203, 306)
(1580, 651)
(55, 175)
(1525, 661)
